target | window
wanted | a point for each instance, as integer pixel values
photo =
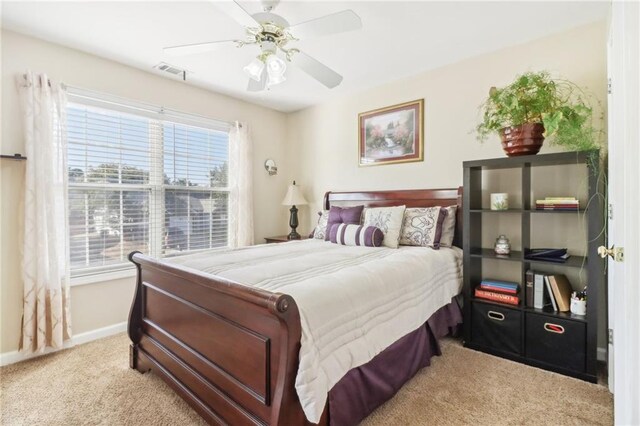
(140, 180)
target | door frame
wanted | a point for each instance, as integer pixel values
(624, 197)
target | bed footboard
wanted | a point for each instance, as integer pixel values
(229, 350)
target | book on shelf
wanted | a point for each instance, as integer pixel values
(490, 287)
(561, 259)
(559, 201)
(528, 299)
(551, 291)
(538, 290)
(545, 251)
(497, 297)
(557, 206)
(561, 289)
(504, 286)
(547, 254)
(551, 300)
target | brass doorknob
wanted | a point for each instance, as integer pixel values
(616, 253)
(603, 251)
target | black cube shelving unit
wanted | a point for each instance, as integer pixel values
(517, 332)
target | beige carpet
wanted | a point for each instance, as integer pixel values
(91, 384)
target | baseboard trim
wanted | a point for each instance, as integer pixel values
(88, 336)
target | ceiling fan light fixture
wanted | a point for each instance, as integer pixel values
(275, 66)
(254, 69)
(275, 79)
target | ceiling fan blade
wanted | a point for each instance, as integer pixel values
(258, 86)
(237, 12)
(338, 22)
(317, 70)
(192, 49)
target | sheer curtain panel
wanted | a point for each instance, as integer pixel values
(240, 187)
(46, 320)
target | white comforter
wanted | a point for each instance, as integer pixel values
(354, 301)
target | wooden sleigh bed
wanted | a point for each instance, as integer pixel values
(229, 350)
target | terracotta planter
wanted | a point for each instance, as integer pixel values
(525, 139)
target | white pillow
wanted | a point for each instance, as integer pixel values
(421, 227)
(321, 229)
(389, 220)
(448, 227)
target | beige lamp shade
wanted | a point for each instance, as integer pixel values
(294, 196)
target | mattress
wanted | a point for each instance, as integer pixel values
(354, 301)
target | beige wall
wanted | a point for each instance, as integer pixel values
(316, 146)
(324, 138)
(103, 304)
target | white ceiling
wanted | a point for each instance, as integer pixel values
(398, 39)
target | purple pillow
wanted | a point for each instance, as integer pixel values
(356, 235)
(441, 218)
(348, 215)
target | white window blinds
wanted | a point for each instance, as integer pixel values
(139, 180)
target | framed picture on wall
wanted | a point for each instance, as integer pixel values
(392, 134)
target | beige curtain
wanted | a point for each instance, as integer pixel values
(45, 270)
(240, 187)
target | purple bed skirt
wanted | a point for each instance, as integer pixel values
(365, 388)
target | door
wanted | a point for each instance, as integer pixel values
(624, 200)
(615, 273)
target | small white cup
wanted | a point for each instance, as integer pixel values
(499, 201)
(578, 307)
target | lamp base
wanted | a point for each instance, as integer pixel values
(293, 236)
(293, 223)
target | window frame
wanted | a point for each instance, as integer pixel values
(158, 117)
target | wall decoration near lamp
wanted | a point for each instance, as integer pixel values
(271, 167)
(294, 197)
(392, 134)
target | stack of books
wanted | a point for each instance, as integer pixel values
(498, 291)
(558, 203)
(549, 292)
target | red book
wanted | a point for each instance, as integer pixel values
(489, 287)
(497, 297)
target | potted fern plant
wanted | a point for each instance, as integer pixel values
(535, 107)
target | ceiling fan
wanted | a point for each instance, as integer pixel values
(272, 33)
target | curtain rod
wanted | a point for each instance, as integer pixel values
(87, 93)
(143, 107)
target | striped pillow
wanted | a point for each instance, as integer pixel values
(356, 235)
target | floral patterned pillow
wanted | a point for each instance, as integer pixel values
(389, 220)
(422, 227)
(321, 229)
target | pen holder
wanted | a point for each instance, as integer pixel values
(578, 307)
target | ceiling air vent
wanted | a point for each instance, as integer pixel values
(171, 69)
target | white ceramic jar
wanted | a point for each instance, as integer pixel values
(499, 201)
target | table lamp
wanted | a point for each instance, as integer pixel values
(294, 197)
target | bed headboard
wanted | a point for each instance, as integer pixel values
(407, 197)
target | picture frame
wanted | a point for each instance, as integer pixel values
(391, 135)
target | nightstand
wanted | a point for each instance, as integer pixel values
(283, 239)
